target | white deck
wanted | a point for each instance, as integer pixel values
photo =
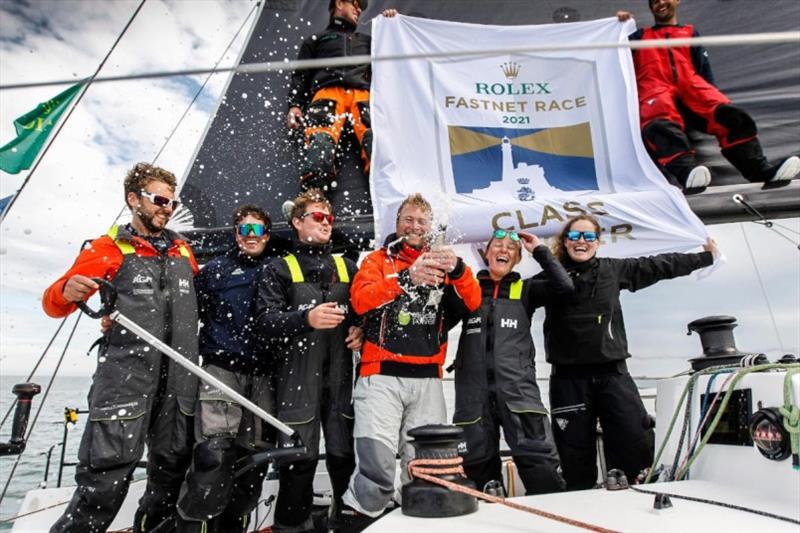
(623, 510)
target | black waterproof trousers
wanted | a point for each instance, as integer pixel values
(577, 401)
(102, 487)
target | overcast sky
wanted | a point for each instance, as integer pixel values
(77, 191)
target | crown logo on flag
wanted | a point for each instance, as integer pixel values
(511, 69)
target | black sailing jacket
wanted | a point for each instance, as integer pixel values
(587, 327)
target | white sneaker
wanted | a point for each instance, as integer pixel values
(286, 209)
(698, 178)
(788, 170)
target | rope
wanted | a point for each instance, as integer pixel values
(62, 123)
(791, 417)
(41, 404)
(35, 367)
(419, 468)
(719, 503)
(740, 373)
(763, 288)
(792, 37)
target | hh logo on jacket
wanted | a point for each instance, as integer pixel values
(508, 323)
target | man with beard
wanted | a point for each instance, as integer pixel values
(211, 500)
(138, 396)
(303, 305)
(672, 81)
(407, 292)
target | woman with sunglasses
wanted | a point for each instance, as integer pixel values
(495, 369)
(586, 346)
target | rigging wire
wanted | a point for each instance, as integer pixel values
(41, 405)
(764, 221)
(62, 123)
(763, 288)
(35, 367)
(786, 37)
(194, 99)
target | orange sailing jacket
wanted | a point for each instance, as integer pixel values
(102, 259)
(405, 334)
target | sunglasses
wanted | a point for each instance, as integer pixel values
(160, 201)
(502, 234)
(319, 216)
(258, 230)
(588, 236)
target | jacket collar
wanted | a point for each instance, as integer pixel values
(341, 25)
(398, 248)
(302, 248)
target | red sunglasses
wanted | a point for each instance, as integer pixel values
(319, 216)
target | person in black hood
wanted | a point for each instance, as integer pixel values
(304, 306)
(495, 369)
(330, 95)
(585, 344)
(210, 499)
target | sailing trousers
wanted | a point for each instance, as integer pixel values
(325, 118)
(576, 404)
(530, 439)
(108, 454)
(211, 498)
(386, 407)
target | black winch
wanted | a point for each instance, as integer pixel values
(436, 447)
(719, 347)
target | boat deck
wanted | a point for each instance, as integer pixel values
(624, 510)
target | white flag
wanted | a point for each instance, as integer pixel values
(519, 141)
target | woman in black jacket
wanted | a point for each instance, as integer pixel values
(586, 346)
(495, 369)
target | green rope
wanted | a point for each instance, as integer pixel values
(723, 405)
(791, 416)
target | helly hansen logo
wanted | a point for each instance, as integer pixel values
(183, 283)
(462, 447)
(508, 323)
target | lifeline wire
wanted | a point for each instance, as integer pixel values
(786, 37)
(35, 367)
(41, 404)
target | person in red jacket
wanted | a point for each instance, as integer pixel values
(407, 292)
(138, 396)
(669, 79)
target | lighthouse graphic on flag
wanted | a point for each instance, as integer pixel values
(522, 164)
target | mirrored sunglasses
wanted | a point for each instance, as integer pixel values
(160, 201)
(502, 234)
(258, 230)
(588, 236)
(319, 216)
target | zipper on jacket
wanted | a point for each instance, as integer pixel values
(672, 62)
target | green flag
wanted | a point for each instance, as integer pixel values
(33, 128)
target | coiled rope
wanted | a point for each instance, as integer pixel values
(428, 469)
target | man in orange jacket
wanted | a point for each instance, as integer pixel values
(407, 292)
(138, 395)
